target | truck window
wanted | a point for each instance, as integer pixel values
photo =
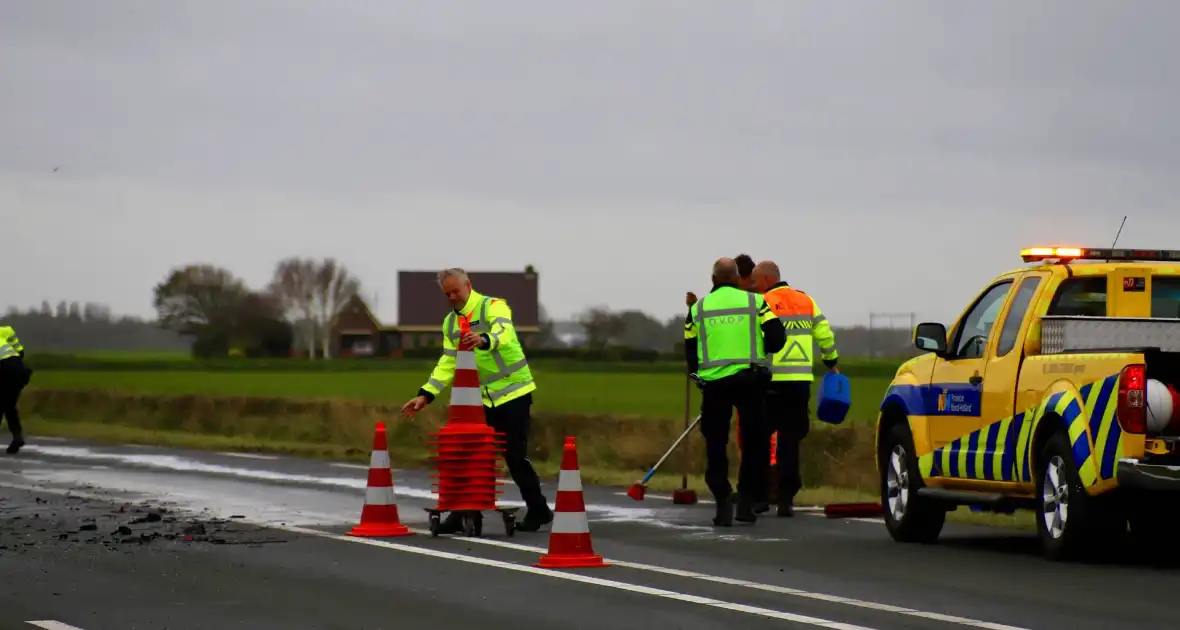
(1015, 316)
(1165, 297)
(1082, 297)
(971, 338)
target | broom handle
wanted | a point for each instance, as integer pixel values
(674, 445)
(687, 404)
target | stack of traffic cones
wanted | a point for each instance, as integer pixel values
(466, 451)
(379, 517)
(569, 536)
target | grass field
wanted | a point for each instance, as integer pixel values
(655, 394)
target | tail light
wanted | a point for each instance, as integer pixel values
(1132, 411)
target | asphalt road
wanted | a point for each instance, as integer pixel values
(127, 538)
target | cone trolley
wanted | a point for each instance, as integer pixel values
(465, 454)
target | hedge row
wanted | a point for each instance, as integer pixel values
(48, 362)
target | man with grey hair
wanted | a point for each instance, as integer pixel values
(727, 337)
(507, 384)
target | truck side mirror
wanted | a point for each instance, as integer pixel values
(931, 337)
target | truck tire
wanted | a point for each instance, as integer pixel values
(908, 517)
(1071, 524)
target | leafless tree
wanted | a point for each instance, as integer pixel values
(334, 287)
(294, 284)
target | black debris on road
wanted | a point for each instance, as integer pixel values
(29, 521)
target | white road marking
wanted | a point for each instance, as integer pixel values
(716, 579)
(587, 579)
(350, 466)
(52, 625)
(772, 588)
(249, 455)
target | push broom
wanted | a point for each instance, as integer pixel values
(683, 496)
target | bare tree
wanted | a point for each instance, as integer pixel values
(294, 284)
(602, 326)
(334, 287)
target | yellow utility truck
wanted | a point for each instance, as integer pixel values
(1054, 391)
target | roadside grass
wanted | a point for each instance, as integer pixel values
(658, 395)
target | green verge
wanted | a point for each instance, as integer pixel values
(613, 449)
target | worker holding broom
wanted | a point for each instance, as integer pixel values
(507, 386)
(727, 337)
(788, 397)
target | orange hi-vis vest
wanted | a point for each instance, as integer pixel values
(806, 327)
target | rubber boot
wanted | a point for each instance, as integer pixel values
(745, 511)
(724, 517)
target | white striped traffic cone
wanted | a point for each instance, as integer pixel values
(569, 535)
(379, 517)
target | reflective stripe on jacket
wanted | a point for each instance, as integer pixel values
(804, 322)
(504, 372)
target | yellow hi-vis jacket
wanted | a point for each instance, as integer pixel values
(504, 373)
(10, 346)
(804, 322)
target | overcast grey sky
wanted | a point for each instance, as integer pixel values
(891, 156)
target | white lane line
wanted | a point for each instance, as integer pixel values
(350, 466)
(771, 588)
(249, 455)
(52, 625)
(586, 579)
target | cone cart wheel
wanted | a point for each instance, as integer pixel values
(468, 525)
(478, 527)
(435, 523)
(509, 523)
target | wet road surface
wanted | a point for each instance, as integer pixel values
(99, 537)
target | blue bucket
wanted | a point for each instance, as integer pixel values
(835, 396)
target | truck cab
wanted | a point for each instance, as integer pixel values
(1055, 391)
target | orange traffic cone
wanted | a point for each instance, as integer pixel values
(379, 517)
(569, 535)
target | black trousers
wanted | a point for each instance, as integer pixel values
(788, 411)
(513, 419)
(746, 391)
(13, 378)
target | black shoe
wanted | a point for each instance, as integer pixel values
(535, 519)
(745, 511)
(762, 507)
(724, 517)
(452, 524)
(786, 510)
(15, 446)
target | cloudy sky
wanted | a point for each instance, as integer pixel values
(891, 156)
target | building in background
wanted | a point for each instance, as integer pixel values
(421, 308)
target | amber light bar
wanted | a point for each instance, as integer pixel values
(1034, 254)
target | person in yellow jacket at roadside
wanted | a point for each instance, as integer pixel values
(791, 372)
(14, 376)
(507, 386)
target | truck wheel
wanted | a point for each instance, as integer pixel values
(908, 517)
(1070, 523)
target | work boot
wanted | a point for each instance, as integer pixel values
(452, 524)
(745, 511)
(786, 510)
(761, 507)
(724, 517)
(535, 519)
(18, 441)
